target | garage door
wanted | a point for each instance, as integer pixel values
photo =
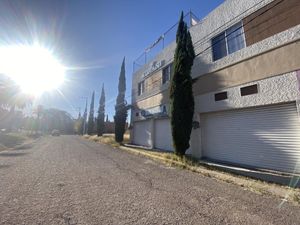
(163, 136)
(264, 137)
(142, 133)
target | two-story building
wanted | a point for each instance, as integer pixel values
(246, 87)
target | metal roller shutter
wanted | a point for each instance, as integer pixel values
(264, 137)
(142, 133)
(163, 136)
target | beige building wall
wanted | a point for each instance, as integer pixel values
(274, 62)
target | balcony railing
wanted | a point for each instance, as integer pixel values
(163, 40)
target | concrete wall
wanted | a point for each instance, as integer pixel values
(278, 89)
(277, 61)
(227, 14)
(283, 59)
(269, 63)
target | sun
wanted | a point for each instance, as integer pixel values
(34, 68)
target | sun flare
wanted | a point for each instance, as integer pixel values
(34, 68)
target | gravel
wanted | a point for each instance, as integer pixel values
(69, 180)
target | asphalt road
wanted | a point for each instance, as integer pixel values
(68, 180)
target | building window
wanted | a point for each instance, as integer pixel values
(141, 87)
(166, 73)
(221, 96)
(219, 46)
(228, 41)
(249, 90)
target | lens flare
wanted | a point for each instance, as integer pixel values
(33, 68)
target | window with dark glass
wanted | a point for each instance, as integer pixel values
(166, 73)
(249, 90)
(228, 41)
(219, 46)
(141, 87)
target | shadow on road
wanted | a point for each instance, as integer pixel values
(24, 146)
(12, 154)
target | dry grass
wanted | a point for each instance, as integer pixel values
(107, 139)
(296, 197)
(2, 147)
(260, 187)
(11, 140)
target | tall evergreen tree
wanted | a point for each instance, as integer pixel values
(121, 106)
(84, 118)
(101, 114)
(181, 92)
(90, 126)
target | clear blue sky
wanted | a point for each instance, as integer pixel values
(92, 37)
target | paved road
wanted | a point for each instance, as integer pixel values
(68, 180)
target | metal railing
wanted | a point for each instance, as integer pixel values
(164, 40)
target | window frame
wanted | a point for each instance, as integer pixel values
(141, 87)
(212, 45)
(243, 36)
(169, 68)
(226, 40)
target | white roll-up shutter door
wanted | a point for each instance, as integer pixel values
(163, 136)
(142, 133)
(263, 137)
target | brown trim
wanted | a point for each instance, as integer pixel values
(274, 62)
(274, 18)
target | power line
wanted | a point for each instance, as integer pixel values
(228, 39)
(228, 22)
(159, 80)
(204, 39)
(211, 46)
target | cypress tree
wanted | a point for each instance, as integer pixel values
(84, 126)
(101, 114)
(121, 106)
(90, 126)
(181, 92)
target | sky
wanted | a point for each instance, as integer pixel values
(91, 37)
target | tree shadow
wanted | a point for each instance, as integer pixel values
(12, 154)
(204, 88)
(24, 146)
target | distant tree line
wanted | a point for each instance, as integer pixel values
(12, 117)
(96, 125)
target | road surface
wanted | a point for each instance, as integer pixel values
(68, 180)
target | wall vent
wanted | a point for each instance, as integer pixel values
(221, 96)
(249, 90)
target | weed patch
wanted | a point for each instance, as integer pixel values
(11, 140)
(192, 164)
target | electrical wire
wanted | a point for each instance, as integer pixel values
(156, 83)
